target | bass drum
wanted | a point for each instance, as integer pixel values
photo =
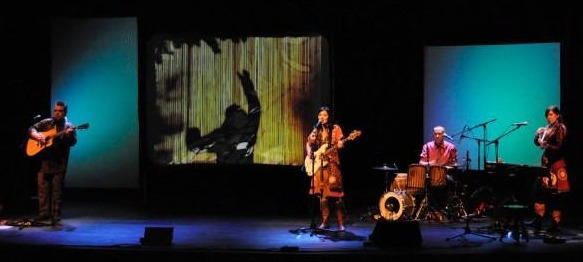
(395, 206)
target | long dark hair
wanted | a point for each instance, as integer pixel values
(330, 123)
(555, 109)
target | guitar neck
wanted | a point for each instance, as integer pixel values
(335, 146)
(58, 134)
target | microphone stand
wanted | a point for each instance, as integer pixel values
(468, 230)
(313, 225)
(483, 125)
(311, 199)
(496, 141)
(479, 140)
(509, 190)
(313, 228)
(313, 190)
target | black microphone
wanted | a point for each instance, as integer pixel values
(446, 135)
(520, 123)
(317, 125)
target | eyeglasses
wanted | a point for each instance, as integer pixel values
(58, 110)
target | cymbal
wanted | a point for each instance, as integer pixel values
(385, 168)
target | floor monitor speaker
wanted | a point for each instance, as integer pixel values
(388, 233)
(157, 236)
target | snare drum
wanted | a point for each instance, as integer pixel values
(438, 176)
(394, 206)
(399, 183)
(416, 179)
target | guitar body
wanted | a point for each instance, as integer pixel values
(320, 158)
(33, 147)
(313, 165)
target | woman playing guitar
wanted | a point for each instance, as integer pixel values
(327, 179)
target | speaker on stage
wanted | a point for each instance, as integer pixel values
(157, 236)
(389, 233)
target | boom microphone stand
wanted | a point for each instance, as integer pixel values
(313, 225)
(496, 141)
(311, 199)
(483, 125)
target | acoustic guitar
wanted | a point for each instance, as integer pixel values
(34, 147)
(319, 160)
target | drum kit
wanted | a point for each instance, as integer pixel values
(399, 201)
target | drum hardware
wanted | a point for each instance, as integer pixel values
(425, 205)
(425, 208)
(384, 167)
(396, 206)
(461, 213)
(373, 212)
(455, 208)
(388, 171)
(399, 184)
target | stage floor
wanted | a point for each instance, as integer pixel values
(97, 231)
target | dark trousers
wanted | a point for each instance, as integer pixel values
(50, 190)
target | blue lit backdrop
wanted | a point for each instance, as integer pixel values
(94, 69)
(500, 85)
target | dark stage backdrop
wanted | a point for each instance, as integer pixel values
(491, 98)
(94, 69)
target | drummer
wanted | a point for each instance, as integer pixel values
(439, 153)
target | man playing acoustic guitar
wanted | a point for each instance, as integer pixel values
(53, 160)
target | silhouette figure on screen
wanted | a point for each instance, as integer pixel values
(234, 141)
